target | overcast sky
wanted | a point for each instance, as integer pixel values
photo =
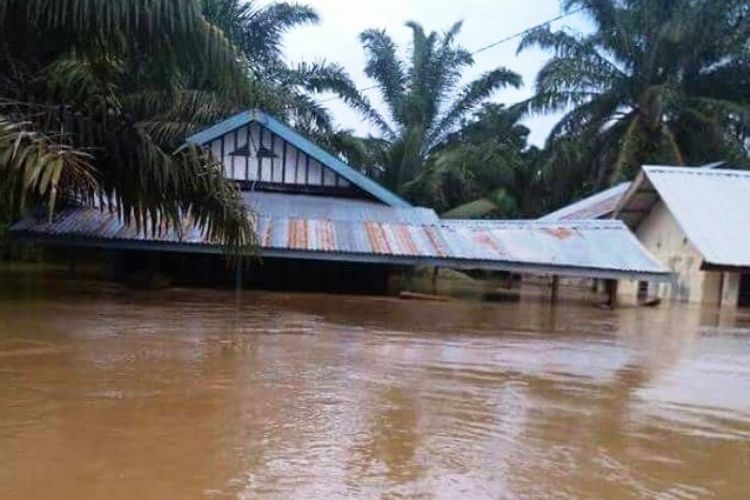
(485, 21)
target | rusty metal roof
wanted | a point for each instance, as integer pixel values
(296, 206)
(596, 206)
(593, 244)
(309, 227)
(711, 206)
(283, 222)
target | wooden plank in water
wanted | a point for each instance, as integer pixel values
(423, 296)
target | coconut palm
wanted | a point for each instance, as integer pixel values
(424, 99)
(657, 81)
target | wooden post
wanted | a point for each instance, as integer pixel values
(72, 262)
(434, 280)
(408, 278)
(109, 264)
(238, 274)
(611, 287)
(555, 285)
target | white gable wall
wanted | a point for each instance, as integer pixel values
(662, 236)
(296, 167)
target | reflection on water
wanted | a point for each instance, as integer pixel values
(111, 393)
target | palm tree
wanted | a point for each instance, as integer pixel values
(96, 99)
(657, 81)
(287, 91)
(483, 170)
(82, 87)
(424, 98)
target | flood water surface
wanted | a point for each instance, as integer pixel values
(111, 393)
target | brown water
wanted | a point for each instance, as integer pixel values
(111, 393)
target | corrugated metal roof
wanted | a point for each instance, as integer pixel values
(712, 207)
(301, 226)
(296, 139)
(597, 244)
(596, 206)
(335, 209)
(283, 222)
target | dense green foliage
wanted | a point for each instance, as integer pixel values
(85, 89)
(484, 169)
(657, 81)
(283, 90)
(96, 99)
(424, 99)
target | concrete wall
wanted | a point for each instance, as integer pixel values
(662, 236)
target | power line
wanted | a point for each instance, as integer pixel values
(527, 30)
(489, 46)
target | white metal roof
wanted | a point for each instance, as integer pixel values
(596, 206)
(592, 244)
(711, 206)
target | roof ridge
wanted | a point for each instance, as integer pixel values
(717, 172)
(587, 223)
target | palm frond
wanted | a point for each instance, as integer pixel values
(592, 115)
(613, 28)
(257, 31)
(472, 94)
(384, 66)
(38, 168)
(326, 77)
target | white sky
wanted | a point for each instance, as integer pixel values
(335, 39)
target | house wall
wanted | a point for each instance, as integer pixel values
(662, 236)
(731, 289)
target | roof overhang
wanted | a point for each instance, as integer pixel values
(707, 266)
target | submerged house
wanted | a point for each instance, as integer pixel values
(322, 224)
(697, 222)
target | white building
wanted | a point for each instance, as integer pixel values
(696, 221)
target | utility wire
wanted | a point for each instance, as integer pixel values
(487, 47)
(527, 30)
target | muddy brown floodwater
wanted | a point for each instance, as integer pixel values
(111, 393)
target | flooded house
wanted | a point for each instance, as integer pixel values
(321, 224)
(693, 219)
(696, 221)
